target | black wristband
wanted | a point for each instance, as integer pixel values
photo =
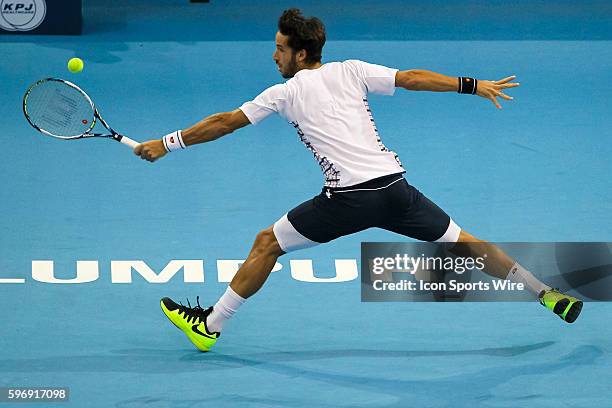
(467, 85)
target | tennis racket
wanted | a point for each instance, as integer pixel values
(61, 109)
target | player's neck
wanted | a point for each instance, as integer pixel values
(316, 65)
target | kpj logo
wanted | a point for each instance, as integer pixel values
(23, 15)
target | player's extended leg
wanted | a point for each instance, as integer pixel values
(203, 326)
(412, 214)
(499, 264)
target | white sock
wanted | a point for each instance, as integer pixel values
(225, 308)
(519, 274)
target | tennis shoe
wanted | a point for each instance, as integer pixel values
(566, 307)
(192, 321)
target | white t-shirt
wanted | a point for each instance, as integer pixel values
(329, 109)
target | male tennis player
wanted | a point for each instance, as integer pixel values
(364, 187)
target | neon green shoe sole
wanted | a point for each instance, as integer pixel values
(566, 307)
(192, 322)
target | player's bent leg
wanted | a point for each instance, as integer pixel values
(315, 221)
(258, 265)
(203, 326)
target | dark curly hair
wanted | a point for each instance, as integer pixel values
(304, 33)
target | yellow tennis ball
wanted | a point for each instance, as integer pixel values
(75, 65)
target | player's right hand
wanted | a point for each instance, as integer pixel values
(151, 150)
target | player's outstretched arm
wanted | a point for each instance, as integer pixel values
(215, 126)
(423, 80)
(207, 130)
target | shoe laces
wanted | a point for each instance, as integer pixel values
(193, 313)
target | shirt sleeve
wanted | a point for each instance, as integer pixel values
(376, 78)
(269, 101)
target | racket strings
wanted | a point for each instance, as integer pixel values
(65, 107)
(59, 109)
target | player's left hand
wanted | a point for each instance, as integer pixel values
(151, 150)
(494, 89)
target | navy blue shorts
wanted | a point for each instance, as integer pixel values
(387, 202)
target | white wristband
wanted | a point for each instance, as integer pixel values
(174, 141)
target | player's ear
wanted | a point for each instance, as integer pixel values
(301, 56)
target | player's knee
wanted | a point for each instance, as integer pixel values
(266, 243)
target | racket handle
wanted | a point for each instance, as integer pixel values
(127, 141)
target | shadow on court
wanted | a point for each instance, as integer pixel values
(463, 389)
(468, 387)
(152, 360)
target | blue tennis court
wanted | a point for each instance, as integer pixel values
(537, 170)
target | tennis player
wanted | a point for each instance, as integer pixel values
(327, 104)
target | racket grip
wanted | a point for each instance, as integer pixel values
(127, 141)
